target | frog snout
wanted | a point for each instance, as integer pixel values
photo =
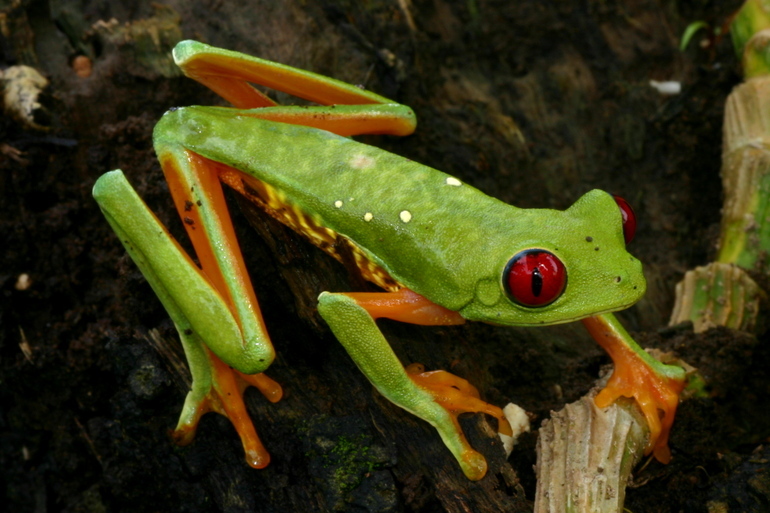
(632, 278)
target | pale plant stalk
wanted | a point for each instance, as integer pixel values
(586, 455)
(723, 293)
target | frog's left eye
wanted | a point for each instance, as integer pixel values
(629, 218)
(534, 277)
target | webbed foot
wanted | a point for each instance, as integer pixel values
(456, 395)
(656, 390)
(654, 385)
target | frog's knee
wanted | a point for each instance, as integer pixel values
(329, 302)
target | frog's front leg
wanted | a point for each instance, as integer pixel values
(437, 397)
(654, 385)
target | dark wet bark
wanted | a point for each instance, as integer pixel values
(534, 103)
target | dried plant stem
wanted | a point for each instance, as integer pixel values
(586, 454)
(723, 293)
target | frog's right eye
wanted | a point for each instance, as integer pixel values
(534, 278)
(629, 218)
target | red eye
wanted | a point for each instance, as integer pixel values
(629, 218)
(534, 277)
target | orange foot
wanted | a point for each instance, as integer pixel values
(456, 395)
(222, 393)
(654, 385)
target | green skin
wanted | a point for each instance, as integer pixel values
(416, 223)
(446, 223)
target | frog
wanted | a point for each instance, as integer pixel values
(440, 251)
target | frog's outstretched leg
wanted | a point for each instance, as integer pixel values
(654, 385)
(229, 74)
(201, 311)
(437, 397)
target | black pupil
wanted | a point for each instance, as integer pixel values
(537, 282)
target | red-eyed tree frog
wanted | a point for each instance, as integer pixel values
(442, 251)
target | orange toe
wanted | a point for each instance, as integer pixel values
(267, 386)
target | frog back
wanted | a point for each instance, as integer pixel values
(404, 224)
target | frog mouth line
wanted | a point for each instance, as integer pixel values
(568, 320)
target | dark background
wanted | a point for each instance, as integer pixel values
(532, 102)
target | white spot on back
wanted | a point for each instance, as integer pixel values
(338, 203)
(361, 161)
(451, 180)
(405, 216)
(368, 217)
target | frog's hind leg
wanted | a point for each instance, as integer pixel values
(195, 187)
(437, 397)
(197, 192)
(213, 307)
(230, 74)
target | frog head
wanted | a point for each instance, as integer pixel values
(563, 266)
